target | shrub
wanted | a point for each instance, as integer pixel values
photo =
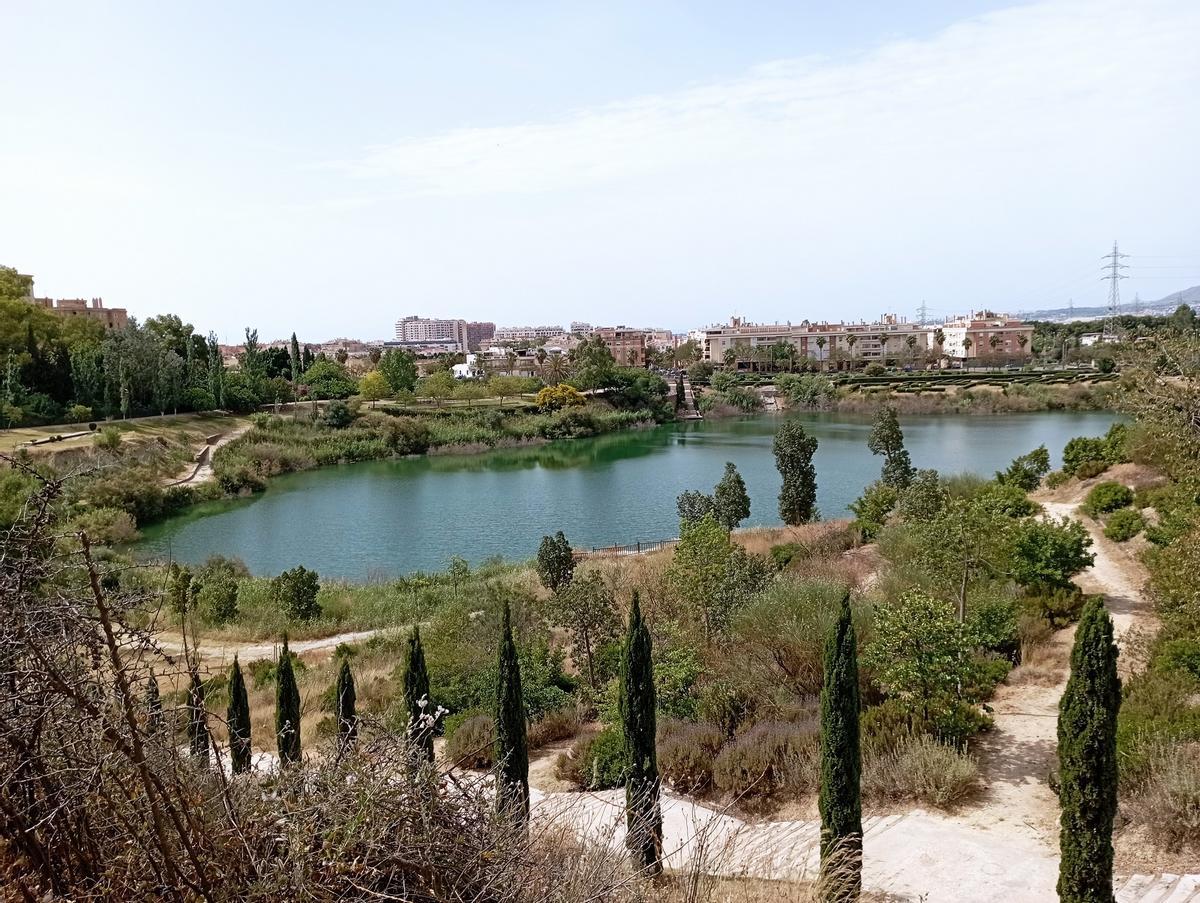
(263, 670)
(217, 598)
(921, 769)
(1056, 478)
(1179, 654)
(1106, 497)
(1007, 499)
(1156, 708)
(107, 526)
(1083, 450)
(553, 398)
(1058, 607)
(1089, 469)
(1124, 524)
(686, 752)
(79, 413)
(295, 592)
(472, 742)
(1167, 801)
(337, 415)
(771, 757)
(559, 724)
(783, 554)
(872, 508)
(874, 369)
(108, 439)
(596, 762)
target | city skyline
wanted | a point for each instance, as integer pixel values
(674, 166)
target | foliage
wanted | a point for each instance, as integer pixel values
(374, 386)
(596, 762)
(871, 509)
(554, 398)
(693, 505)
(217, 597)
(344, 709)
(811, 391)
(714, 575)
(337, 415)
(108, 439)
(287, 709)
(399, 368)
(1006, 500)
(1046, 554)
(922, 769)
(555, 562)
(586, 608)
(923, 498)
(731, 502)
(1124, 524)
(1105, 497)
(237, 719)
(919, 653)
(794, 449)
(887, 439)
(512, 752)
(295, 592)
(422, 713)
(639, 732)
(771, 758)
(839, 799)
(472, 742)
(686, 752)
(328, 379)
(1087, 761)
(1026, 471)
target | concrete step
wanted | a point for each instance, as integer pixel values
(1165, 888)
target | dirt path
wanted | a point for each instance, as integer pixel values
(203, 471)
(221, 653)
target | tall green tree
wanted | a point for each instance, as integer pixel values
(794, 450)
(555, 562)
(643, 815)
(399, 368)
(1087, 761)
(512, 746)
(422, 714)
(887, 439)
(295, 360)
(587, 609)
(237, 717)
(347, 718)
(287, 709)
(197, 726)
(840, 800)
(730, 499)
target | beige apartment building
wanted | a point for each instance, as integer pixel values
(108, 317)
(891, 340)
(451, 335)
(628, 346)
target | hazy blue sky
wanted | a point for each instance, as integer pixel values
(330, 167)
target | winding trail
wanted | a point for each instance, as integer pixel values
(223, 653)
(1001, 849)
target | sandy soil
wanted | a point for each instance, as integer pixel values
(222, 653)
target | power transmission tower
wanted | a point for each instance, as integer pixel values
(1113, 276)
(1137, 304)
(923, 313)
(1071, 308)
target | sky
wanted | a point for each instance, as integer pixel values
(330, 168)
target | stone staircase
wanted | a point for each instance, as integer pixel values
(1165, 888)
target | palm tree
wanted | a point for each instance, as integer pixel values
(540, 354)
(821, 340)
(730, 358)
(883, 340)
(911, 342)
(1022, 340)
(555, 370)
(852, 340)
(939, 339)
(967, 343)
(994, 341)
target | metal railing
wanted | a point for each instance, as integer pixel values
(632, 548)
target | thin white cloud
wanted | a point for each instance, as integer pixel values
(1056, 74)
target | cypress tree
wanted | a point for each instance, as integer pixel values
(153, 705)
(421, 711)
(197, 721)
(643, 817)
(512, 749)
(840, 802)
(237, 717)
(347, 719)
(294, 359)
(287, 709)
(731, 502)
(1087, 761)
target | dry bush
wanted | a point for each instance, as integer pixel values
(772, 757)
(472, 743)
(1167, 798)
(920, 769)
(561, 724)
(686, 753)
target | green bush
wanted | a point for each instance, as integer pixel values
(783, 554)
(1089, 469)
(596, 762)
(1106, 497)
(1124, 524)
(872, 508)
(1084, 450)
(1056, 478)
(108, 438)
(1179, 654)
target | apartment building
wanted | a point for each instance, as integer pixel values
(108, 317)
(450, 335)
(985, 334)
(628, 346)
(478, 333)
(526, 333)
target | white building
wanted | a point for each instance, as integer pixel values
(526, 333)
(427, 331)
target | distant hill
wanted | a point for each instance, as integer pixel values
(1160, 307)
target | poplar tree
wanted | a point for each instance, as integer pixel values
(421, 711)
(237, 717)
(840, 802)
(287, 709)
(794, 450)
(731, 502)
(555, 562)
(512, 748)
(887, 439)
(1087, 761)
(197, 721)
(643, 816)
(347, 719)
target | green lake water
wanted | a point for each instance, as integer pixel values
(380, 518)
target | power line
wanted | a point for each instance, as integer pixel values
(1114, 276)
(922, 312)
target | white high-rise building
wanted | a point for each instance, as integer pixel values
(427, 331)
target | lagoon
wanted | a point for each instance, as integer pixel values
(378, 519)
